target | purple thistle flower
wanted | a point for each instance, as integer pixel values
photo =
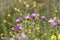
(43, 17)
(18, 28)
(27, 17)
(19, 20)
(33, 16)
(54, 23)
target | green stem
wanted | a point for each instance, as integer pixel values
(5, 32)
(56, 34)
(44, 25)
(56, 37)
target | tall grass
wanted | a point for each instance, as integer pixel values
(37, 29)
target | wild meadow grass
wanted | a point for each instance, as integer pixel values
(29, 19)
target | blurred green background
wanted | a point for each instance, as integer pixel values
(10, 10)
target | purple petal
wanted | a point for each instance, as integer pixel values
(54, 23)
(33, 15)
(18, 28)
(43, 17)
(19, 20)
(27, 17)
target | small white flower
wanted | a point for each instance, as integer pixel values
(27, 17)
(50, 21)
(23, 35)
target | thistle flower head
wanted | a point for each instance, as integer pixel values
(43, 17)
(19, 20)
(54, 23)
(27, 17)
(18, 28)
(33, 15)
